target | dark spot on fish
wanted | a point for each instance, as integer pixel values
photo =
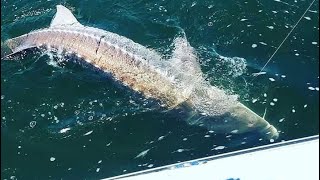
(99, 43)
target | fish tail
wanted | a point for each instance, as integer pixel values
(5, 50)
(12, 47)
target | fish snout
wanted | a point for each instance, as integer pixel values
(249, 121)
(270, 132)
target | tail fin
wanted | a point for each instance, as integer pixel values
(11, 47)
(14, 46)
(5, 50)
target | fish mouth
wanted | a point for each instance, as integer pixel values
(270, 132)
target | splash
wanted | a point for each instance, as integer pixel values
(236, 65)
(185, 67)
(211, 101)
(223, 65)
(56, 57)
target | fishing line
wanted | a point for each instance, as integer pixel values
(256, 74)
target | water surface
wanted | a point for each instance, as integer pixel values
(65, 121)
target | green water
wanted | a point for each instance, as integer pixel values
(110, 126)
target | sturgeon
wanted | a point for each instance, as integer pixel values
(176, 83)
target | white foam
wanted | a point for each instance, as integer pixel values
(32, 124)
(143, 154)
(180, 150)
(263, 43)
(219, 148)
(160, 138)
(235, 131)
(64, 130)
(88, 133)
(270, 27)
(272, 79)
(311, 88)
(259, 73)
(307, 18)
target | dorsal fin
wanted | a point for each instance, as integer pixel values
(64, 17)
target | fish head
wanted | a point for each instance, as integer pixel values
(239, 119)
(248, 121)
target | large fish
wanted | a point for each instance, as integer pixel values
(176, 83)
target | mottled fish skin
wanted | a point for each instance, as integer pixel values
(126, 60)
(179, 84)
